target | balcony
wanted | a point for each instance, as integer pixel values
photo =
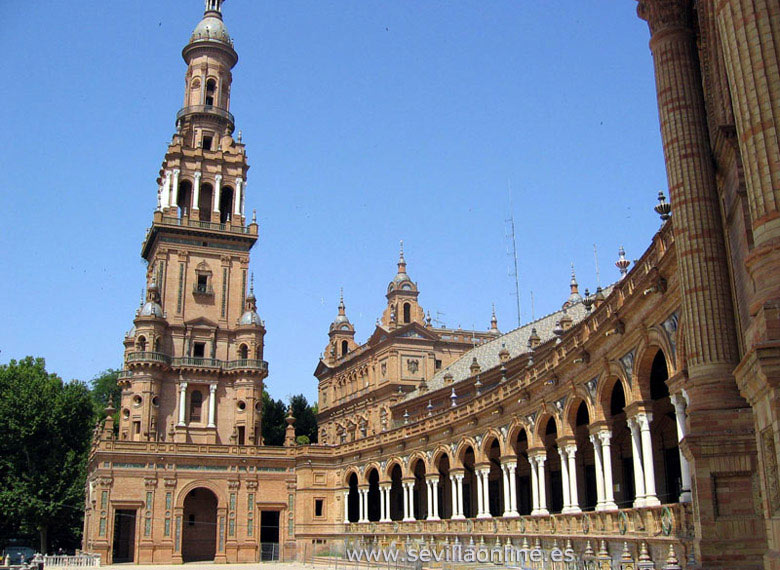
(246, 364)
(146, 357)
(205, 290)
(198, 224)
(196, 362)
(206, 110)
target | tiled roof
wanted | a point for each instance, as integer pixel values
(516, 342)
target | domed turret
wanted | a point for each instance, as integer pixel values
(341, 322)
(401, 281)
(250, 316)
(402, 307)
(212, 27)
(152, 306)
(341, 333)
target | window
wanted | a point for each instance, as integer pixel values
(344, 347)
(203, 283)
(199, 350)
(437, 364)
(207, 140)
(407, 313)
(243, 352)
(318, 504)
(141, 344)
(196, 405)
(211, 88)
(241, 435)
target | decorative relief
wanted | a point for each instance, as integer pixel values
(590, 386)
(627, 362)
(770, 470)
(412, 364)
(670, 326)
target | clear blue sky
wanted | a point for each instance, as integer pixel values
(366, 122)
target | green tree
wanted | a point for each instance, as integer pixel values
(274, 412)
(104, 388)
(305, 417)
(45, 434)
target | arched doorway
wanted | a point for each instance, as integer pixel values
(353, 510)
(444, 488)
(199, 536)
(495, 504)
(396, 493)
(373, 496)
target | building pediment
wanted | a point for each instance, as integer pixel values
(201, 322)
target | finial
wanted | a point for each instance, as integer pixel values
(110, 407)
(573, 284)
(663, 208)
(252, 284)
(342, 308)
(143, 297)
(401, 257)
(622, 263)
(588, 300)
(453, 399)
(240, 136)
(254, 216)
(493, 320)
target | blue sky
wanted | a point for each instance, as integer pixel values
(366, 122)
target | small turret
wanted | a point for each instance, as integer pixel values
(494, 322)
(341, 333)
(289, 432)
(622, 263)
(574, 295)
(250, 316)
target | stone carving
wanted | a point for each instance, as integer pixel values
(627, 362)
(413, 365)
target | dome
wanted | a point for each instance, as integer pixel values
(211, 27)
(250, 318)
(151, 309)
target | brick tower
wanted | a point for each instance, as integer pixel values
(180, 478)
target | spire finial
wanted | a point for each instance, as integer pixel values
(341, 303)
(252, 284)
(493, 320)
(573, 284)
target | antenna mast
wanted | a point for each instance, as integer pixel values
(513, 253)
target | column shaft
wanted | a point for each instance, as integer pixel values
(571, 453)
(599, 472)
(565, 481)
(609, 492)
(639, 472)
(542, 481)
(685, 469)
(647, 460)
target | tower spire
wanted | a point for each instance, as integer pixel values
(214, 6)
(342, 308)
(401, 260)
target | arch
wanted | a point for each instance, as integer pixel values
(543, 425)
(199, 532)
(414, 459)
(438, 454)
(243, 351)
(184, 197)
(344, 347)
(440, 463)
(604, 394)
(420, 489)
(140, 343)
(495, 479)
(225, 204)
(491, 436)
(515, 429)
(396, 491)
(572, 411)
(463, 446)
(349, 473)
(373, 506)
(196, 406)
(647, 359)
(205, 201)
(353, 500)
(391, 464)
(210, 95)
(407, 313)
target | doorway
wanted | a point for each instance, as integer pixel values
(124, 535)
(199, 536)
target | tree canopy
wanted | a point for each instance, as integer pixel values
(45, 433)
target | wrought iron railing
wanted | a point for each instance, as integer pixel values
(146, 356)
(246, 363)
(206, 109)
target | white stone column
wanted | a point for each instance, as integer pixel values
(609, 492)
(480, 495)
(433, 498)
(639, 474)
(647, 459)
(346, 507)
(685, 469)
(534, 487)
(486, 491)
(565, 481)
(175, 186)
(505, 486)
(212, 405)
(459, 500)
(382, 517)
(429, 500)
(182, 404)
(409, 502)
(217, 189)
(168, 196)
(512, 474)
(542, 482)
(571, 454)
(196, 192)
(599, 472)
(363, 505)
(237, 210)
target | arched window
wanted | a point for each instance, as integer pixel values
(344, 347)
(204, 202)
(211, 91)
(243, 352)
(407, 313)
(184, 197)
(196, 405)
(259, 353)
(225, 204)
(140, 344)
(157, 345)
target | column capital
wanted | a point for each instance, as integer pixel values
(168, 174)
(665, 15)
(212, 388)
(218, 178)
(604, 436)
(176, 171)
(509, 462)
(644, 419)
(197, 174)
(571, 449)
(432, 478)
(678, 401)
(183, 385)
